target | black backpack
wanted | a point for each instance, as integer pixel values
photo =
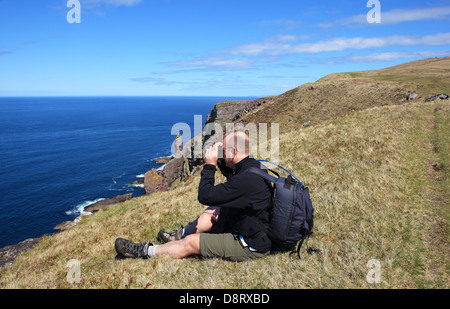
(292, 212)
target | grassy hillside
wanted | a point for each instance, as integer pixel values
(338, 94)
(430, 75)
(377, 170)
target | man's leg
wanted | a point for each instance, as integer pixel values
(177, 249)
(226, 246)
(204, 222)
(190, 245)
(178, 246)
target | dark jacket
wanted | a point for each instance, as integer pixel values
(244, 200)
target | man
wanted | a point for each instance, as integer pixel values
(237, 218)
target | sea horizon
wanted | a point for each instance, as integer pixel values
(250, 97)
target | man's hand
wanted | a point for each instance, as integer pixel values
(211, 154)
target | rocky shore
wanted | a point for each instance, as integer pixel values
(9, 253)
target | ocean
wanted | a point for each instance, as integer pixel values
(61, 154)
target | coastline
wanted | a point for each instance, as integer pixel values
(174, 170)
(102, 203)
(9, 253)
(74, 162)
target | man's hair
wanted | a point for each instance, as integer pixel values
(240, 141)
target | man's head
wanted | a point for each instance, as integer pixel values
(236, 146)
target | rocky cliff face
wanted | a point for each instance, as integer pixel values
(230, 111)
(154, 182)
(227, 112)
(157, 181)
(104, 204)
(9, 253)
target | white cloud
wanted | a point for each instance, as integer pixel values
(160, 81)
(338, 44)
(249, 56)
(214, 62)
(289, 24)
(209, 64)
(112, 2)
(388, 56)
(147, 79)
(396, 16)
(406, 15)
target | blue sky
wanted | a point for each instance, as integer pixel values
(206, 48)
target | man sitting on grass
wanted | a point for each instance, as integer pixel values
(235, 224)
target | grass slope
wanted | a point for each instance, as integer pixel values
(376, 192)
(338, 94)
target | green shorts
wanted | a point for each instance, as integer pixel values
(226, 246)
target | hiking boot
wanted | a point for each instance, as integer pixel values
(165, 237)
(130, 249)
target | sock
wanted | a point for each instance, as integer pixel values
(151, 250)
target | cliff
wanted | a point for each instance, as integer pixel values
(230, 111)
(8, 254)
(183, 164)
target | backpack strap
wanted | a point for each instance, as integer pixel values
(300, 245)
(310, 250)
(303, 187)
(263, 174)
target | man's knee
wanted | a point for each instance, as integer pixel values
(213, 213)
(192, 242)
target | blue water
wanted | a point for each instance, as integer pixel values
(58, 155)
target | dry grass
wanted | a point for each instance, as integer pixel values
(338, 94)
(368, 176)
(432, 75)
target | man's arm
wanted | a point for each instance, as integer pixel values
(227, 194)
